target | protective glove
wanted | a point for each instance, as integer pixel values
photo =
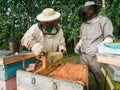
(62, 49)
(77, 48)
(31, 67)
(38, 50)
(107, 40)
(91, 51)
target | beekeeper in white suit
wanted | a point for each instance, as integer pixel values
(46, 35)
(95, 29)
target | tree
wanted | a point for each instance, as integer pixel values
(16, 16)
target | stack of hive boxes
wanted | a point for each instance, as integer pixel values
(9, 65)
(109, 56)
(111, 77)
(54, 74)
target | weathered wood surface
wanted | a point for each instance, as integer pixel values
(15, 58)
(30, 81)
(42, 81)
(8, 71)
(48, 62)
(108, 59)
(10, 64)
(9, 84)
(72, 72)
(48, 70)
(51, 58)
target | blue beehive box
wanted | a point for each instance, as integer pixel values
(110, 48)
(10, 64)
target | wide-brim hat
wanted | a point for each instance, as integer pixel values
(48, 14)
(89, 4)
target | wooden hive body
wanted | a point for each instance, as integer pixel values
(52, 78)
(9, 65)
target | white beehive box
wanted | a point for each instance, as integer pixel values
(114, 71)
(31, 81)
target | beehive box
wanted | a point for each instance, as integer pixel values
(65, 76)
(114, 71)
(111, 59)
(110, 78)
(8, 71)
(8, 84)
(10, 64)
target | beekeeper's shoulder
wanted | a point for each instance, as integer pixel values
(33, 28)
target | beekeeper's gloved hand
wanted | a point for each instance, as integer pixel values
(38, 50)
(62, 49)
(78, 46)
(108, 40)
(31, 67)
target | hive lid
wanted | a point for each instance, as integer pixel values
(110, 48)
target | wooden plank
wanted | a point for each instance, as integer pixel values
(42, 79)
(108, 59)
(44, 60)
(48, 70)
(51, 58)
(15, 58)
(9, 84)
(68, 72)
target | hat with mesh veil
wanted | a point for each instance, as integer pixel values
(89, 4)
(48, 14)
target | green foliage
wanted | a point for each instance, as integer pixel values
(16, 16)
(71, 57)
(112, 11)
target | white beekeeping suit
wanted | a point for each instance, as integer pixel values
(39, 39)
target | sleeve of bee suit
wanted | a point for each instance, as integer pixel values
(107, 29)
(37, 49)
(31, 37)
(62, 44)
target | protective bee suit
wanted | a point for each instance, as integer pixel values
(95, 30)
(40, 38)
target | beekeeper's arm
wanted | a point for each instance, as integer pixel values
(62, 44)
(108, 31)
(29, 40)
(78, 45)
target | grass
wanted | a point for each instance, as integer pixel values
(74, 58)
(71, 57)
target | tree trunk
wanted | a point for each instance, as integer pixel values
(15, 46)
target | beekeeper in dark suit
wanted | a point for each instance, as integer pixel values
(95, 29)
